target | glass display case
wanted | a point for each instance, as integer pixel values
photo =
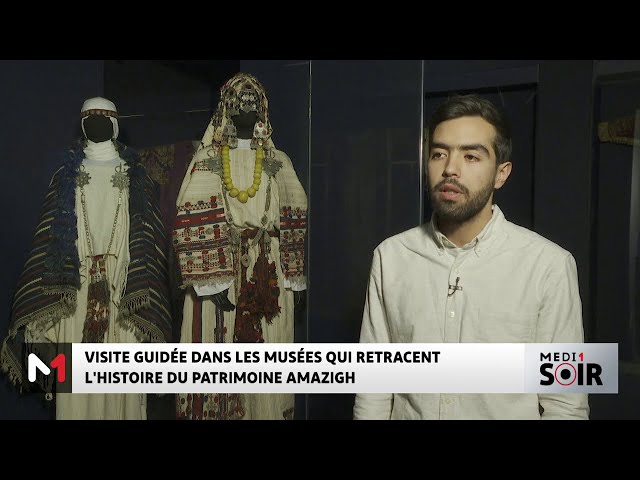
(355, 133)
(618, 212)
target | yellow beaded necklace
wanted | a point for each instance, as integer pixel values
(243, 195)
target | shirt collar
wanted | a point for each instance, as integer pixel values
(482, 240)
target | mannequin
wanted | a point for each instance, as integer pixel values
(239, 238)
(98, 128)
(100, 204)
(244, 123)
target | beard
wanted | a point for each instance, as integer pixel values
(462, 210)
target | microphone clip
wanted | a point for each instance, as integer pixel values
(453, 288)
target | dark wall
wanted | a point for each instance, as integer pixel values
(165, 101)
(616, 98)
(563, 179)
(617, 95)
(365, 186)
(40, 117)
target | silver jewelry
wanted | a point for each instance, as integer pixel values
(83, 177)
(119, 179)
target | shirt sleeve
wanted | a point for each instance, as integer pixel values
(375, 329)
(560, 321)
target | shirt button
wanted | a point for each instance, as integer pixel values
(452, 314)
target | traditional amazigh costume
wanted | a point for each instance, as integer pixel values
(241, 226)
(97, 270)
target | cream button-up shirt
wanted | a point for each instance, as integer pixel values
(516, 287)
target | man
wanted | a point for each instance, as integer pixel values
(469, 275)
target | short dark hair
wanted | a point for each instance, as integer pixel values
(474, 106)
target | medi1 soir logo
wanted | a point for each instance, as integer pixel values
(572, 367)
(568, 369)
(46, 367)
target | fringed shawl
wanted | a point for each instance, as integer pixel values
(47, 289)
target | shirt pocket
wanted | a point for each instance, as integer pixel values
(490, 326)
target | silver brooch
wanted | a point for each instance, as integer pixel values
(119, 179)
(271, 166)
(83, 177)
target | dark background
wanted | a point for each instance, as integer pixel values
(353, 131)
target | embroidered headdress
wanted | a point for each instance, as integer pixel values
(100, 106)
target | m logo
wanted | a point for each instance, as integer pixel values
(34, 364)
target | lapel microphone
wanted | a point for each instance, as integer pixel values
(453, 288)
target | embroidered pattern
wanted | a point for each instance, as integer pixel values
(99, 111)
(210, 406)
(158, 161)
(293, 227)
(258, 297)
(98, 299)
(201, 240)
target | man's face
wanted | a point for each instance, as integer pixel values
(461, 168)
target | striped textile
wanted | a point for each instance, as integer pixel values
(47, 288)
